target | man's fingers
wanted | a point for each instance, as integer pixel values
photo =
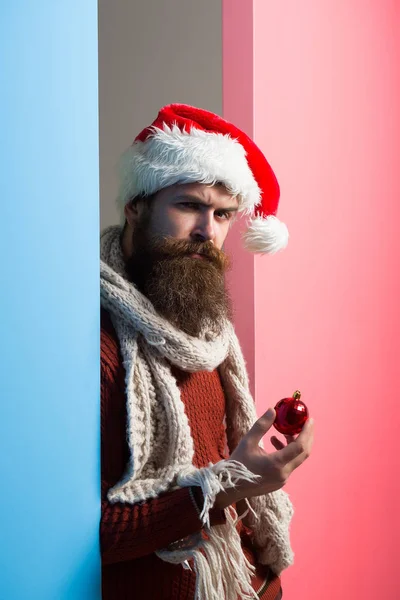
(277, 444)
(261, 427)
(297, 461)
(299, 448)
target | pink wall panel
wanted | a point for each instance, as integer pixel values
(326, 82)
(238, 107)
(326, 106)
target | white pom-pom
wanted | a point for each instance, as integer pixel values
(266, 235)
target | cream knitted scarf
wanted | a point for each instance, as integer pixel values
(160, 442)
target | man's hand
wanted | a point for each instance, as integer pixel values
(275, 468)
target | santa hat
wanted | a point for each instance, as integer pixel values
(190, 145)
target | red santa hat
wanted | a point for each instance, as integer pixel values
(190, 145)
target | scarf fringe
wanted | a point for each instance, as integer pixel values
(223, 572)
(213, 480)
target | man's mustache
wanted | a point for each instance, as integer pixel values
(171, 248)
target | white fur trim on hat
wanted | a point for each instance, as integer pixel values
(266, 235)
(170, 156)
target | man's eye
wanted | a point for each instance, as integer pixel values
(223, 214)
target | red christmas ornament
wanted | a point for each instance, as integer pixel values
(291, 414)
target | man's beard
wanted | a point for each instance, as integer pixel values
(189, 292)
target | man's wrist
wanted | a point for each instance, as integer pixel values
(197, 498)
(216, 514)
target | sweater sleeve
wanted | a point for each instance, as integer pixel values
(130, 531)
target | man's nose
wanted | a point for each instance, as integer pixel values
(204, 231)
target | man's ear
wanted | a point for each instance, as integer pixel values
(133, 210)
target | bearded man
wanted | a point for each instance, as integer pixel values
(192, 506)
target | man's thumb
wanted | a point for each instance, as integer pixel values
(261, 426)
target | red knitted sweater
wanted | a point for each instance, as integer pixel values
(129, 535)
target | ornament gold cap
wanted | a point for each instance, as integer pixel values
(297, 395)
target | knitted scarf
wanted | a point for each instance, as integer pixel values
(160, 441)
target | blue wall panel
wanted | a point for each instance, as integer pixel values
(49, 301)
